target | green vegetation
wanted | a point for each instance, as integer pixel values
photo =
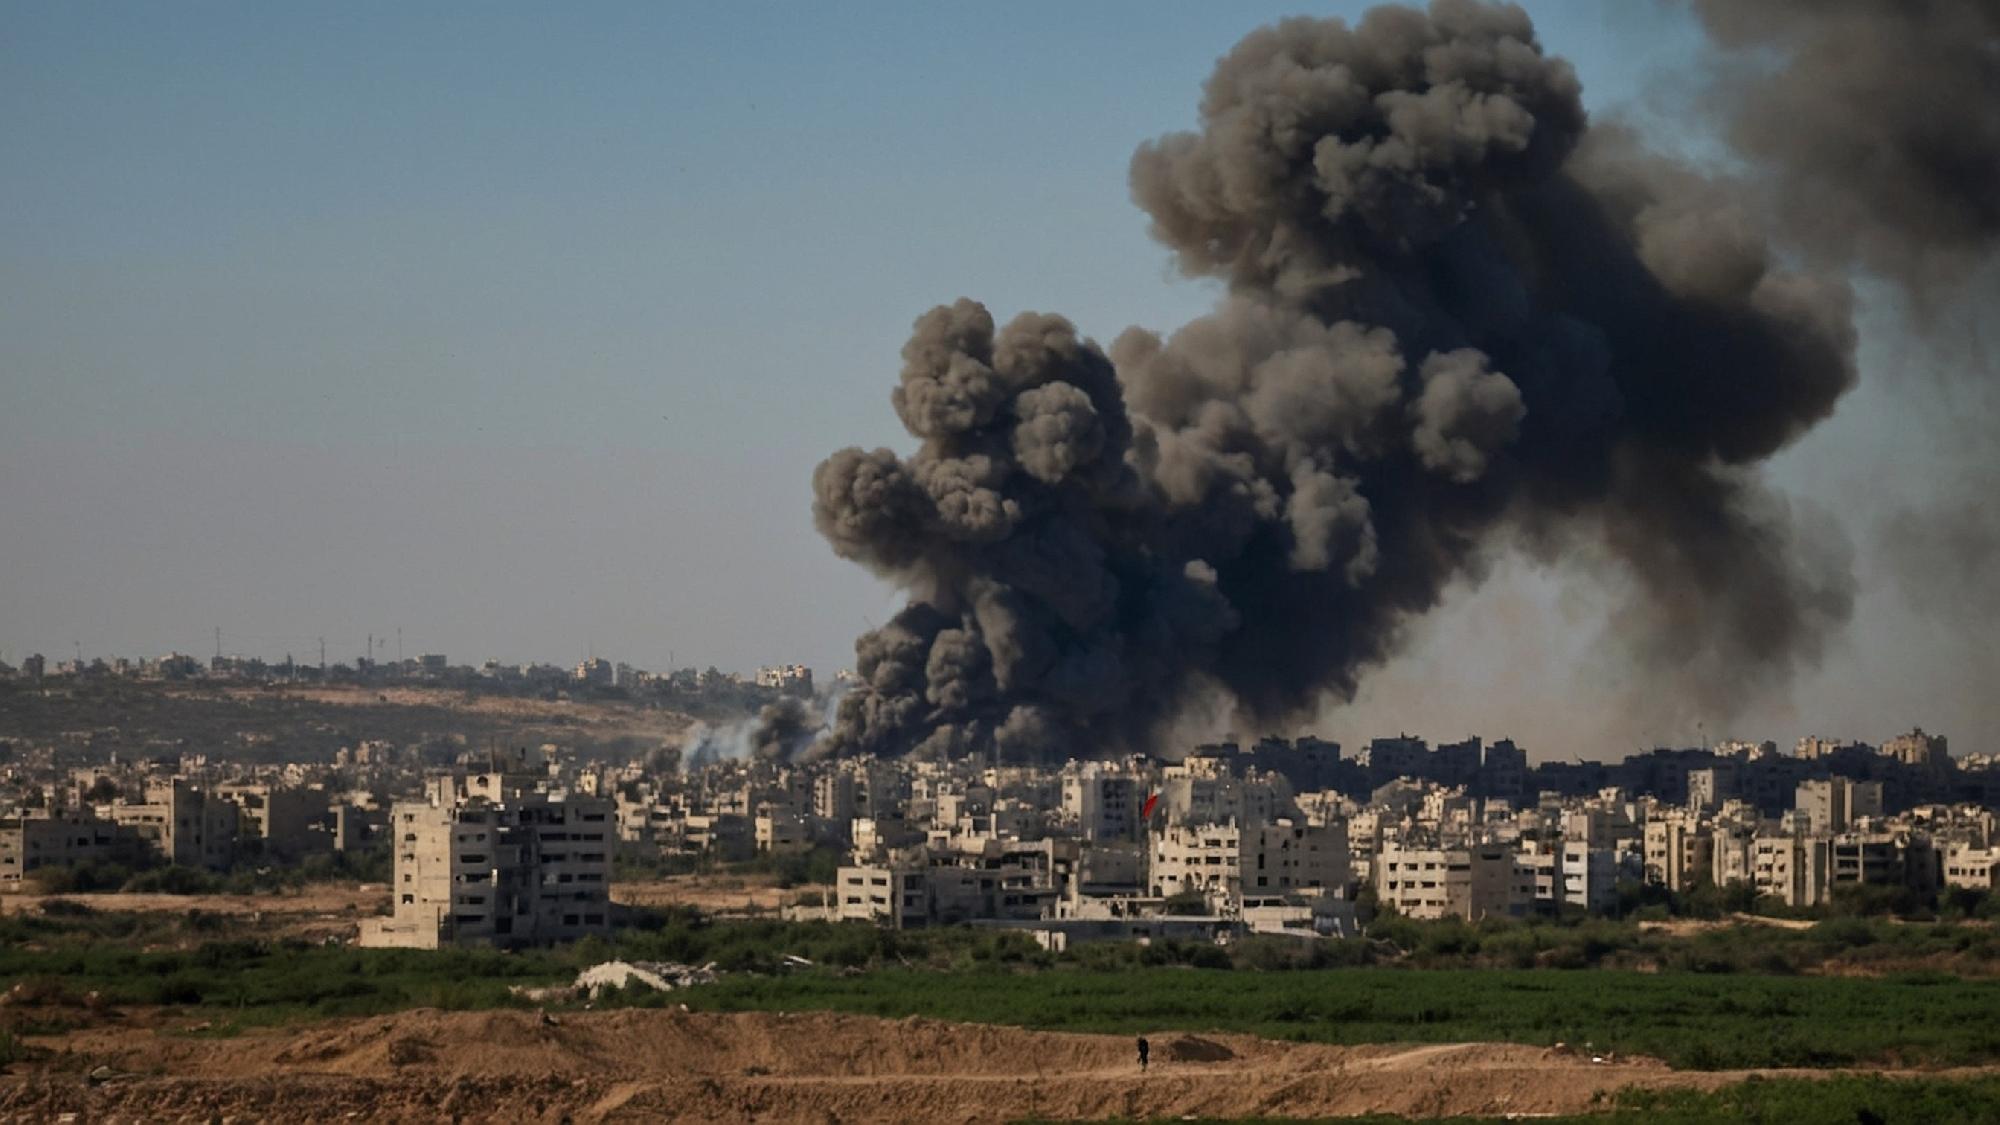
(83, 878)
(1840, 1100)
(1725, 997)
(1690, 1020)
(1866, 943)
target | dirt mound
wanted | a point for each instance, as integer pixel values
(817, 1067)
(1194, 1049)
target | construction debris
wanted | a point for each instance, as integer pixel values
(665, 976)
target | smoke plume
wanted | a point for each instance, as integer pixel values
(1458, 319)
(780, 731)
(1874, 125)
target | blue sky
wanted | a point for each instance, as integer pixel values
(521, 327)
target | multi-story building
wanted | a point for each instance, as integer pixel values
(1103, 804)
(1924, 751)
(1231, 862)
(1678, 852)
(1470, 883)
(288, 821)
(1972, 868)
(929, 886)
(184, 824)
(1835, 804)
(781, 833)
(786, 677)
(1793, 869)
(60, 839)
(523, 870)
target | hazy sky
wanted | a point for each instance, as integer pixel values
(522, 331)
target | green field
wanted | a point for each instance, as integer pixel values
(1725, 1015)
(1688, 1019)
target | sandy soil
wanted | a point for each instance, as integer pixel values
(778, 1067)
(714, 894)
(322, 912)
(321, 898)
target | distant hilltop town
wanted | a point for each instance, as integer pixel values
(429, 668)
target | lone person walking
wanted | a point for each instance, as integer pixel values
(1145, 1049)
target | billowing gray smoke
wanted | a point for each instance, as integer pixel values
(1876, 126)
(1457, 319)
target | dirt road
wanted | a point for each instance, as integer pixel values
(817, 1067)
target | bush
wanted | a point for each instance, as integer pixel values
(175, 880)
(81, 878)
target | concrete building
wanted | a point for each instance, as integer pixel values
(1230, 862)
(1793, 869)
(1103, 804)
(1835, 804)
(522, 871)
(1678, 852)
(786, 677)
(288, 821)
(60, 839)
(1469, 883)
(1925, 751)
(1972, 868)
(928, 886)
(781, 833)
(184, 824)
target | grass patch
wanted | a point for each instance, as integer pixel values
(1689, 1019)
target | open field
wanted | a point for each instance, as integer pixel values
(1690, 1020)
(79, 972)
(672, 1065)
(712, 894)
(151, 1014)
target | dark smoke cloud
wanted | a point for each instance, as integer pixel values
(1877, 128)
(1875, 124)
(1457, 318)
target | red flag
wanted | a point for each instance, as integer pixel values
(1146, 812)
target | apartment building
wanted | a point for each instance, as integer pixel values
(930, 886)
(1103, 805)
(1469, 882)
(1972, 868)
(184, 824)
(1678, 852)
(526, 870)
(1794, 869)
(61, 838)
(1284, 856)
(288, 821)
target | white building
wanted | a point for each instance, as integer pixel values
(1469, 883)
(524, 870)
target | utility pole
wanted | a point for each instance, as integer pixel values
(399, 644)
(218, 644)
(322, 658)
